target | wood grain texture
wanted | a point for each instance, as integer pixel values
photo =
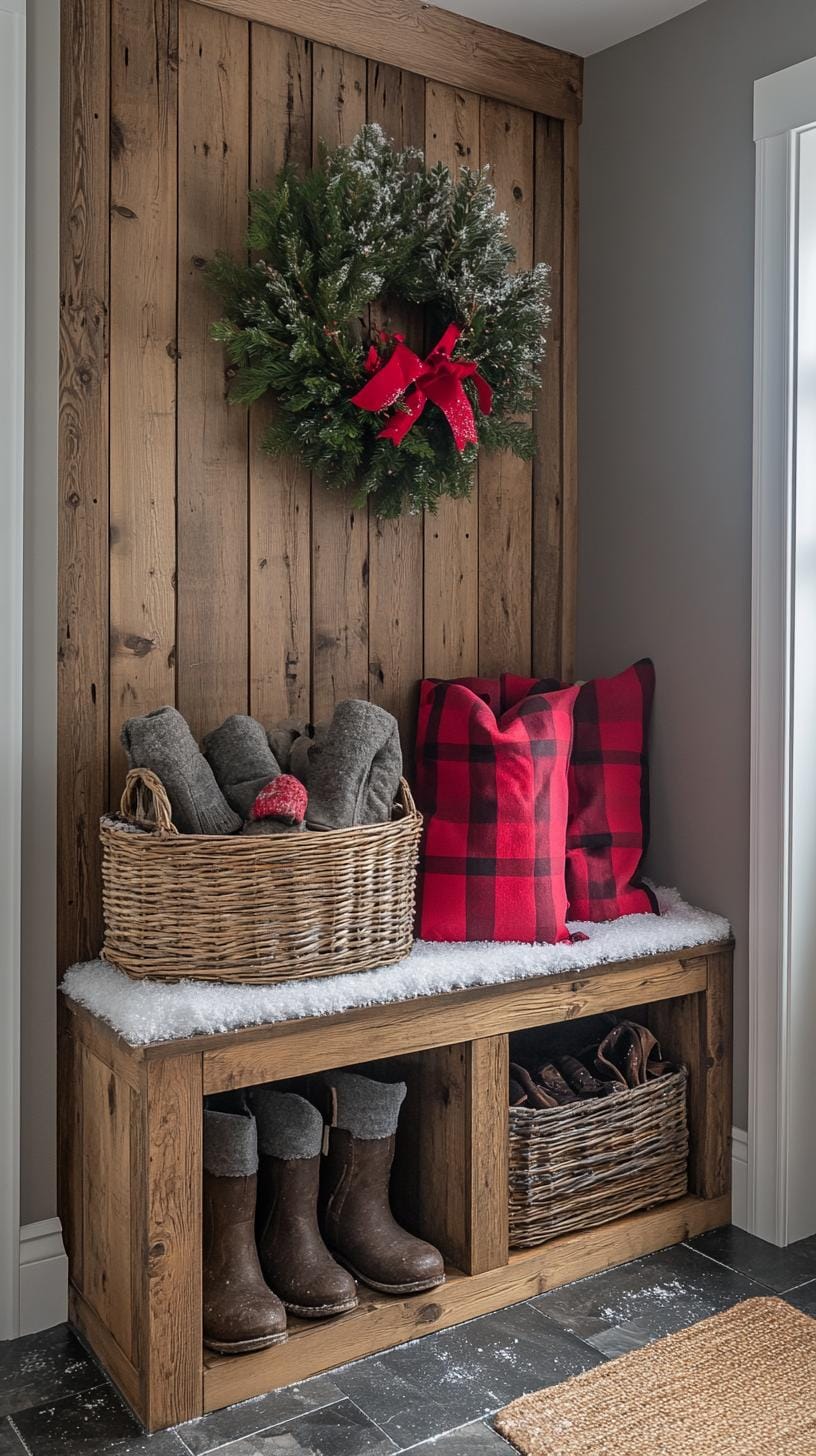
(696, 1030)
(144, 71)
(279, 490)
(505, 483)
(547, 466)
(70, 1188)
(98, 1337)
(451, 586)
(569, 403)
(429, 1182)
(396, 100)
(381, 1321)
(339, 530)
(170, 1238)
(487, 1153)
(107, 1197)
(435, 43)
(212, 434)
(371, 1033)
(82, 654)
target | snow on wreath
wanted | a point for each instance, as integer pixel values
(382, 317)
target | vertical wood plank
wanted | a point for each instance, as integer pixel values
(212, 434)
(171, 1240)
(505, 483)
(547, 494)
(82, 656)
(279, 490)
(488, 1153)
(569, 402)
(107, 1197)
(339, 532)
(144, 69)
(451, 586)
(396, 99)
(696, 1030)
(69, 1142)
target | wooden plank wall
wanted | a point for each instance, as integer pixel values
(194, 569)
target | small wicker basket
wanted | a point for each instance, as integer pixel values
(254, 909)
(592, 1161)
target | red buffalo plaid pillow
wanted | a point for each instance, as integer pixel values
(608, 829)
(494, 793)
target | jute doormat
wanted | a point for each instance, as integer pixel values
(742, 1383)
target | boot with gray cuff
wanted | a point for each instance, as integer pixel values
(357, 1221)
(294, 1258)
(240, 1312)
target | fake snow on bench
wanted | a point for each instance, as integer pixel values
(149, 1011)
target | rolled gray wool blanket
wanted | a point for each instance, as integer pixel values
(354, 777)
(162, 742)
(280, 740)
(304, 750)
(241, 759)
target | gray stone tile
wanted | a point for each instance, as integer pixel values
(804, 1297)
(43, 1367)
(209, 1432)
(336, 1430)
(10, 1445)
(625, 1308)
(92, 1423)
(475, 1439)
(779, 1269)
(447, 1379)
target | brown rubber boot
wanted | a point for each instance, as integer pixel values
(294, 1258)
(240, 1312)
(358, 1224)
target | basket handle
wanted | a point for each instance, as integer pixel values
(145, 802)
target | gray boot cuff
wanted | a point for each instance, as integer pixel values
(365, 1108)
(288, 1126)
(230, 1145)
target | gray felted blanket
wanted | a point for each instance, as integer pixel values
(354, 774)
(162, 742)
(241, 759)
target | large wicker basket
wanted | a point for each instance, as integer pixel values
(254, 909)
(592, 1161)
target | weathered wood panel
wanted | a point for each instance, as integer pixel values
(213, 152)
(505, 483)
(451, 585)
(144, 70)
(339, 529)
(232, 582)
(279, 490)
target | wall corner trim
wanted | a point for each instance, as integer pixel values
(43, 1276)
(739, 1177)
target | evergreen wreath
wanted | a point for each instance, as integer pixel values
(370, 229)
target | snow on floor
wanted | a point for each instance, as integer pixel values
(152, 1011)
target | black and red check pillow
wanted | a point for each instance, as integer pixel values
(608, 828)
(494, 794)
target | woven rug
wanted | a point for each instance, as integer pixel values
(742, 1383)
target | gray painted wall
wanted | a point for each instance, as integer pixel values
(38, 919)
(667, 239)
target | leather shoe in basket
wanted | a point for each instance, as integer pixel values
(357, 1221)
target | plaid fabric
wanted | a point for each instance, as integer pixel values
(494, 795)
(608, 830)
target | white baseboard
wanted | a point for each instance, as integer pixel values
(43, 1276)
(739, 1177)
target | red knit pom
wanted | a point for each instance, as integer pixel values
(284, 798)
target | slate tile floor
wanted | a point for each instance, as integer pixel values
(434, 1396)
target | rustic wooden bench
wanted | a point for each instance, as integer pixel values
(132, 1146)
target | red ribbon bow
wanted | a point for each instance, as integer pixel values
(438, 378)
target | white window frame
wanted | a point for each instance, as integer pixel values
(12, 360)
(782, 939)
